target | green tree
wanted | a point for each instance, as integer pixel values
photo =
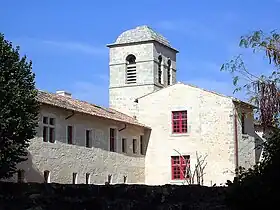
(18, 107)
(257, 187)
(263, 89)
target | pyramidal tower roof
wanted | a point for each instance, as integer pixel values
(140, 34)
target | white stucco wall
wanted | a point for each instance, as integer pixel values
(211, 132)
(62, 159)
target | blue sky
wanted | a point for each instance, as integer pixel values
(66, 40)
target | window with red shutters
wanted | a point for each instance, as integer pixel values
(179, 122)
(112, 139)
(180, 167)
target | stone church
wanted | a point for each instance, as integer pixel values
(153, 132)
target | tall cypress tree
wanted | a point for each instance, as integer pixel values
(18, 107)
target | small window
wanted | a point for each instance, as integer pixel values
(20, 176)
(124, 145)
(52, 121)
(88, 138)
(131, 59)
(134, 146)
(70, 134)
(45, 120)
(47, 176)
(243, 123)
(112, 139)
(48, 129)
(141, 145)
(130, 69)
(180, 167)
(179, 122)
(159, 69)
(51, 139)
(87, 178)
(169, 72)
(45, 134)
(75, 176)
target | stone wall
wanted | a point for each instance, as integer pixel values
(246, 141)
(211, 132)
(62, 159)
(123, 197)
(122, 95)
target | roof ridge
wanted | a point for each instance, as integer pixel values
(194, 86)
(79, 100)
(85, 107)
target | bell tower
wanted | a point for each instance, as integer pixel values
(141, 62)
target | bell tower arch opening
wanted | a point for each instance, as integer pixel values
(131, 76)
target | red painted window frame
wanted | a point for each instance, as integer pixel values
(184, 164)
(181, 120)
(112, 139)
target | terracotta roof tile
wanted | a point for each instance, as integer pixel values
(85, 107)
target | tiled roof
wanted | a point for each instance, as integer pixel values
(85, 107)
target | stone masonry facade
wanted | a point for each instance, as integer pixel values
(142, 115)
(211, 133)
(62, 159)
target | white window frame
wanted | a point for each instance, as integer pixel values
(48, 125)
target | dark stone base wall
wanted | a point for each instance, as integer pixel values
(58, 196)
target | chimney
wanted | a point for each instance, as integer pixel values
(64, 93)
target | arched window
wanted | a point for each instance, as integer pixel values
(130, 69)
(159, 69)
(168, 72)
(47, 176)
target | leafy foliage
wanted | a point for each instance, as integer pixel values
(18, 107)
(264, 90)
(256, 188)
